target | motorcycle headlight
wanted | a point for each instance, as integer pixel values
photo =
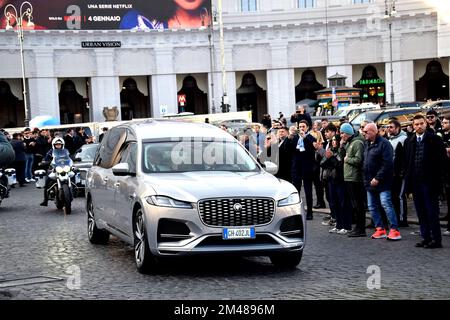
(59, 169)
(66, 169)
(294, 198)
(162, 201)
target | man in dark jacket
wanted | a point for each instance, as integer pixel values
(378, 176)
(69, 141)
(7, 154)
(300, 115)
(19, 161)
(303, 162)
(280, 151)
(332, 165)
(424, 171)
(433, 122)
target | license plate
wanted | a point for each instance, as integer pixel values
(238, 233)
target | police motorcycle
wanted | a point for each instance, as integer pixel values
(61, 174)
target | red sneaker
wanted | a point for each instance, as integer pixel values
(380, 233)
(394, 234)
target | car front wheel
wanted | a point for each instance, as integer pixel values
(145, 261)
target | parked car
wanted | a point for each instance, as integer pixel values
(154, 186)
(409, 104)
(353, 110)
(84, 158)
(381, 117)
(436, 104)
(442, 107)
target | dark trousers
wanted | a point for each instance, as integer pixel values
(399, 200)
(48, 183)
(426, 201)
(318, 185)
(20, 171)
(356, 193)
(337, 204)
(447, 193)
(297, 181)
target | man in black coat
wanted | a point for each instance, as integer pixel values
(70, 142)
(19, 161)
(300, 115)
(302, 148)
(425, 169)
(284, 155)
(7, 154)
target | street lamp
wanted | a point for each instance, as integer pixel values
(389, 14)
(26, 10)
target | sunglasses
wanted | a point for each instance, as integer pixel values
(430, 117)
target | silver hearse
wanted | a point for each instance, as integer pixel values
(174, 188)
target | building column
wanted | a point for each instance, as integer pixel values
(43, 86)
(104, 93)
(164, 91)
(105, 87)
(218, 90)
(404, 85)
(164, 94)
(280, 92)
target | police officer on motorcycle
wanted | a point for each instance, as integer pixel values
(57, 144)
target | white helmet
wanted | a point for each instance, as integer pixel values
(58, 140)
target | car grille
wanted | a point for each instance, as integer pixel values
(222, 212)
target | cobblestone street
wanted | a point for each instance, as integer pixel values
(41, 241)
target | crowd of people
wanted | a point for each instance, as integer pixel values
(374, 168)
(31, 145)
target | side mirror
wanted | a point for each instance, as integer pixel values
(270, 167)
(122, 169)
(77, 160)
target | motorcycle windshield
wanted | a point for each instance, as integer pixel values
(61, 158)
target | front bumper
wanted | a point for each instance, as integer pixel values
(204, 239)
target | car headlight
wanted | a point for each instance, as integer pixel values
(66, 169)
(59, 169)
(162, 201)
(294, 198)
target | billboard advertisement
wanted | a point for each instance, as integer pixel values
(107, 14)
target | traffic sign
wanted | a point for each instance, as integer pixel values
(181, 99)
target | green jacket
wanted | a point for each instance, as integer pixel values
(354, 153)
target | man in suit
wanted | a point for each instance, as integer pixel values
(302, 148)
(424, 166)
(280, 151)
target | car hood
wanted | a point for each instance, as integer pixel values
(193, 186)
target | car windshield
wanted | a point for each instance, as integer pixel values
(341, 113)
(61, 157)
(193, 155)
(87, 153)
(365, 116)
